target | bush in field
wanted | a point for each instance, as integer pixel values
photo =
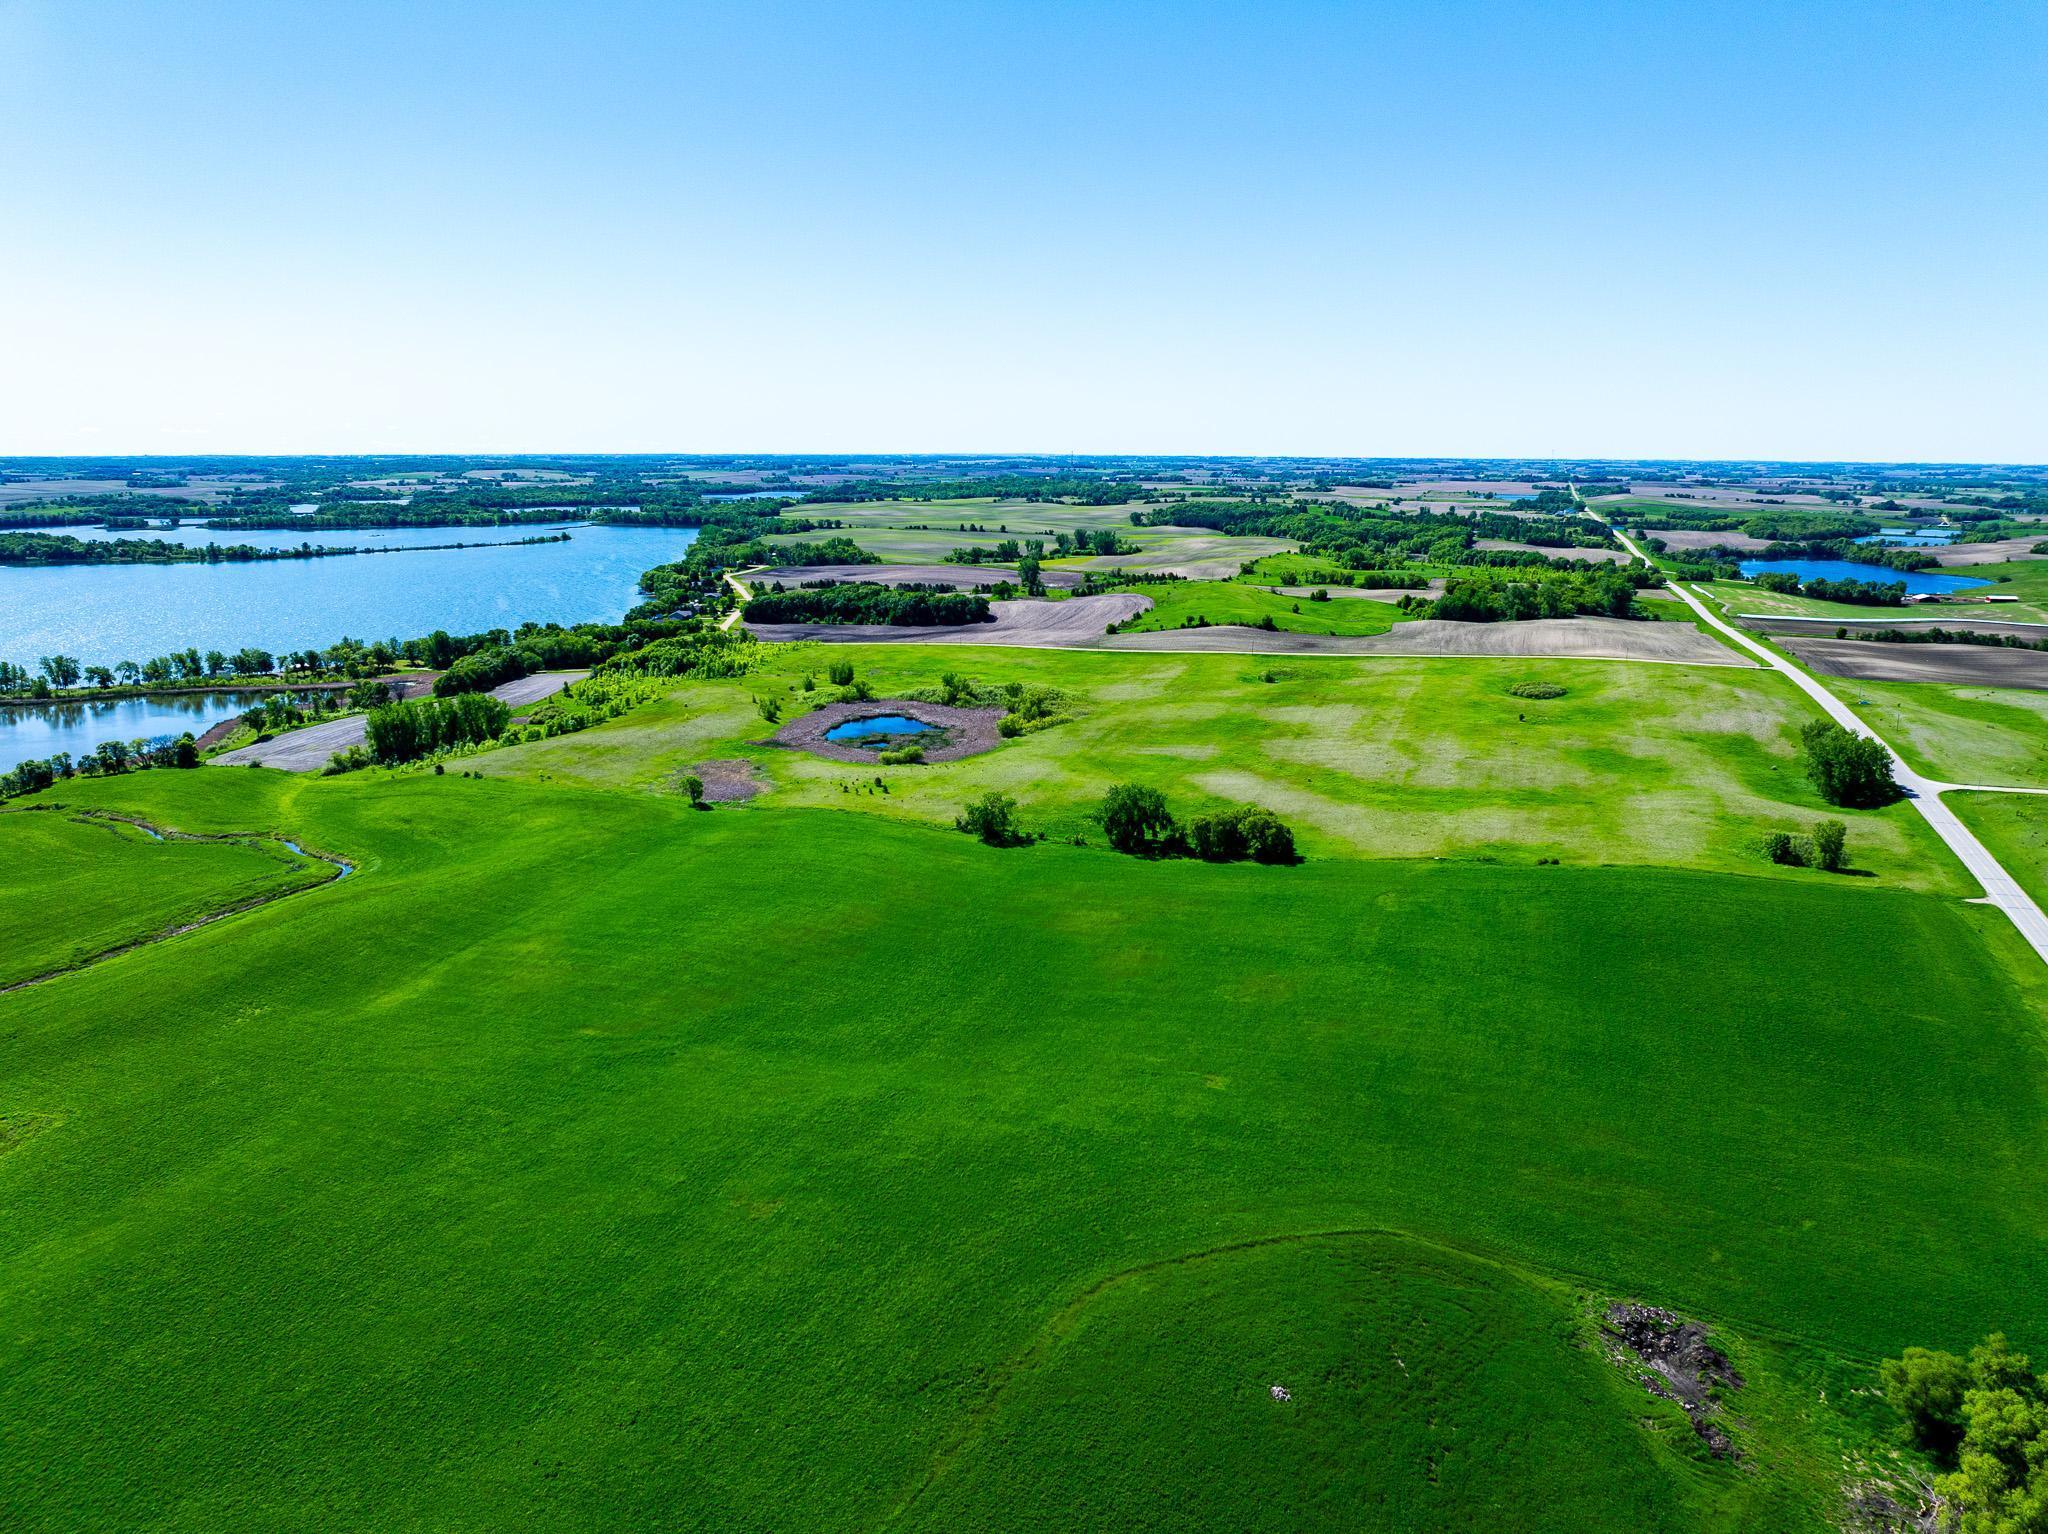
(1831, 846)
(1134, 817)
(694, 787)
(902, 756)
(1791, 851)
(1846, 769)
(406, 732)
(992, 818)
(1536, 690)
(839, 673)
(1231, 836)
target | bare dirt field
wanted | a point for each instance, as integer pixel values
(1546, 638)
(307, 750)
(969, 731)
(1073, 622)
(1824, 628)
(1689, 538)
(907, 575)
(1608, 556)
(1992, 553)
(1872, 660)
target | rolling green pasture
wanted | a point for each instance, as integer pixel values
(76, 887)
(1176, 605)
(587, 1162)
(1993, 735)
(921, 532)
(1680, 766)
(2015, 828)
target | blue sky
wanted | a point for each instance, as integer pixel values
(1799, 229)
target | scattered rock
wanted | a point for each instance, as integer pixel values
(1874, 1509)
(1681, 1365)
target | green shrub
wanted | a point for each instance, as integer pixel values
(1830, 846)
(405, 732)
(902, 756)
(694, 787)
(1133, 817)
(1537, 690)
(1784, 848)
(992, 818)
(1246, 832)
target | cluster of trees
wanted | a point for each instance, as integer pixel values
(407, 732)
(1857, 593)
(106, 759)
(1773, 526)
(1367, 538)
(1088, 490)
(1495, 597)
(1947, 636)
(1135, 820)
(1984, 1422)
(1846, 769)
(704, 652)
(1826, 849)
(57, 549)
(859, 603)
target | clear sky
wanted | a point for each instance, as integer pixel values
(1800, 229)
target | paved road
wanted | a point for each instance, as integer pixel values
(2000, 887)
(307, 750)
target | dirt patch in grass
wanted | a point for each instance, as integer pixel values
(969, 731)
(1673, 1359)
(725, 782)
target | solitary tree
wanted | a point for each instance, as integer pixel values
(993, 818)
(1830, 846)
(694, 787)
(1846, 769)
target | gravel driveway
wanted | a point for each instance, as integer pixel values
(307, 750)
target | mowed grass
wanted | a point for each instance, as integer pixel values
(1991, 735)
(590, 1163)
(1383, 757)
(1179, 604)
(74, 888)
(2015, 828)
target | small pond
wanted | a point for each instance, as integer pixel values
(881, 730)
(1916, 582)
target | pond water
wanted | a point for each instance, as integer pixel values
(880, 725)
(32, 730)
(1935, 538)
(1916, 582)
(107, 613)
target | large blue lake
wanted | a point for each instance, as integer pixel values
(107, 613)
(1916, 582)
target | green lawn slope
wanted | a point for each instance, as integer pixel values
(77, 887)
(586, 1162)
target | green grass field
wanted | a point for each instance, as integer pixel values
(2015, 828)
(1678, 766)
(587, 1162)
(1180, 603)
(77, 888)
(920, 532)
(1992, 735)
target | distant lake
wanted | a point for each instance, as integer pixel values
(1916, 582)
(32, 730)
(1937, 538)
(108, 613)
